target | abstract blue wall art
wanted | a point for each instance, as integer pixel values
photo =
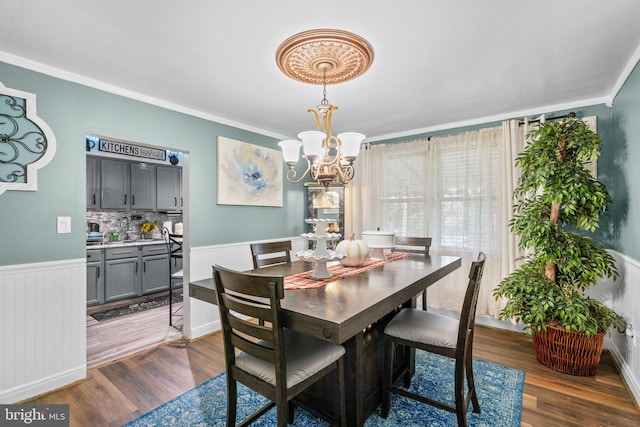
(248, 174)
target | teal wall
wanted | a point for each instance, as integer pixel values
(624, 166)
(28, 219)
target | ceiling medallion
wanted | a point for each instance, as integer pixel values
(324, 56)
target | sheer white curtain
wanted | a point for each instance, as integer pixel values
(514, 135)
(448, 188)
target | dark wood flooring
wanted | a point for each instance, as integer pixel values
(117, 392)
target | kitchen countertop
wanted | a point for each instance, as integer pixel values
(123, 243)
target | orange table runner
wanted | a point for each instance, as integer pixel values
(305, 281)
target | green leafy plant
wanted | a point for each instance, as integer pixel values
(555, 191)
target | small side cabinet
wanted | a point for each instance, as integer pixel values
(95, 277)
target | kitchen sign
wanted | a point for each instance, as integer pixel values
(127, 149)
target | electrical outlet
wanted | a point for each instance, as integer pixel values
(63, 224)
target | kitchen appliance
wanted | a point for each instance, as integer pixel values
(168, 225)
(178, 229)
(93, 233)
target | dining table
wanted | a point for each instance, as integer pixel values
(351, 311)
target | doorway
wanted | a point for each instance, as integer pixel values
(123, 335)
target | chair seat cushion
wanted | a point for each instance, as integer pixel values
(424, 327)
(178, 274)
(305, 356)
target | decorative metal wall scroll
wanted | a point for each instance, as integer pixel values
(26, 141)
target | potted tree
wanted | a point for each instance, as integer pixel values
(557, 194)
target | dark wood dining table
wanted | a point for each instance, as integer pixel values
(352, 311)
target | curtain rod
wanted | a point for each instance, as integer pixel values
(571, 114)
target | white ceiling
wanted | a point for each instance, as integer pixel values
(438, 64)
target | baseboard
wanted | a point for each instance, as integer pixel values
(625, 370)
(43, 385)
(205, 329)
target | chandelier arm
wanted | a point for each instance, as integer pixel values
(315, 113)
(291, 174)
(345, 172)
(329, 131)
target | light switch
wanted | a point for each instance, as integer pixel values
(63, 224)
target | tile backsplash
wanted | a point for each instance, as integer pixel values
(117, 222)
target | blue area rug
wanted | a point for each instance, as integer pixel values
(499, 392)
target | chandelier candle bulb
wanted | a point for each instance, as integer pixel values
(312, 144)
(290, 151)
(350, 144)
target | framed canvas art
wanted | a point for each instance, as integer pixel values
(248, 174)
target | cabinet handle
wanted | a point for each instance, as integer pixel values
(156, 249)
(125, 199)
(120, 252)
(98, 275)
(133, 199)
(181, 201)
(94, 198)
(136, 266)
(175, 201)
(144, 267)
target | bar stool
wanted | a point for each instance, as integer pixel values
(174, 250)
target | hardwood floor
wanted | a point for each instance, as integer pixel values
(117, 392)
(114, 339)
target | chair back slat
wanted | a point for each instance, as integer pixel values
(249, 285)
(276, 253)
(256, 350)
(419, 245)
(248, 327)
(247, 307)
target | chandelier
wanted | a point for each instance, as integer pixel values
(324, 57)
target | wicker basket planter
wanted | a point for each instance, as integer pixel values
(568, 352)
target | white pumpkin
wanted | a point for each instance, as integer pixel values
(356, 252)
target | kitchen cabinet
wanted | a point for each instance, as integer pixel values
(115, 181)
(122, 273)
(93, 183)
(155, 268)
(168, 188)
(95, 277)
(143, 186)
(114, 184)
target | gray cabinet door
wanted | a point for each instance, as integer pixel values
(121, 278)
(143, 186)
(95, 283)
(155, 273)
(115, 184)
(93, 183)
(168, 193)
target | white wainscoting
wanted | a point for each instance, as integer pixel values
(203, 317)
(623, 296)
(43, 330)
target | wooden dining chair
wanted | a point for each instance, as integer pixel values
(276, 362)
(276, 253)
(439, 334)
(417, 245)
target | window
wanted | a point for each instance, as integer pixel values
(445, 188)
